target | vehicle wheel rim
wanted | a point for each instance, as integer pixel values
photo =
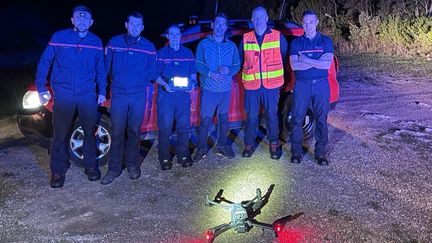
(103, 141)
(306, 122)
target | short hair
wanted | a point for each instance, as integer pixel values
(309, 12)
(220, 15)
(82, 8)
(172, 26)
(259, 8)
(135, 14)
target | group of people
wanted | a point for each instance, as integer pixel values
(78, 69)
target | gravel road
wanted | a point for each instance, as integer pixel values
(378, 187)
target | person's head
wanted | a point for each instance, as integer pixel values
(134, 24)
(220, 25)
(259, 19)
(174, 35)
(81, 18)
(310, 22)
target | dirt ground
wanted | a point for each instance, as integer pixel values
(378, 187)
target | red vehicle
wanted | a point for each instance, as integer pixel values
(34, 119)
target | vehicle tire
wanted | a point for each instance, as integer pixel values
(103, 140)
(308, 123)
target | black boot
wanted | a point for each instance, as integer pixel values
(165, 164)
(275, 150)
(92, 174)
(57, 180)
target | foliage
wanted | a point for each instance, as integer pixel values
(363, 36)
(401, 27)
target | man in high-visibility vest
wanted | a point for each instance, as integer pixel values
(263, 51)
(311, 56)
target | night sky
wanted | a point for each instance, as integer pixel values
(28, 25)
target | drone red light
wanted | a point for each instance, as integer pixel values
(209, 235)
(278, 227)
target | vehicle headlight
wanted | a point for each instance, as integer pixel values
(31, 100)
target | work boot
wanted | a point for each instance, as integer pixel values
(296, 159)
(248, 151)
(225, 152)
(57, 180)
(185, 161)
(92, 174)
(199, 155)
(322, 160)
(134, 172)
(165, 164)
(275, 150)
(108, 178)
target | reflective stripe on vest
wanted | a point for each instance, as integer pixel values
(271, 74)
(264, 46)
(272, 71)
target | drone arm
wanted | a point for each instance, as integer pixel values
(257, 200)
(217, 230)
(262, 225)
(209, 202)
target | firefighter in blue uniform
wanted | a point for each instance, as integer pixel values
(176, 66)
(75, 58)
(131, 62)
(311, 56)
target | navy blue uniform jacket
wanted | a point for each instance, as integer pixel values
(131, 63)
(77, 64)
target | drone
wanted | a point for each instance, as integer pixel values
(243, 215)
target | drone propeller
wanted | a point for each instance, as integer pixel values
(218, 196)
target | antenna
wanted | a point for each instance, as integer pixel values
(216, 7)
(282, 9)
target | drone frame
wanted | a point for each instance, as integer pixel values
(242, 214)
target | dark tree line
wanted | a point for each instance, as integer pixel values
(386, 26)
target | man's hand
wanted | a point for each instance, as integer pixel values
(190, 87)
(44, 97)
(101, 99)
(217, 76)
(223, 70)
(192, 83)
(302, 58)
(167, 88)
